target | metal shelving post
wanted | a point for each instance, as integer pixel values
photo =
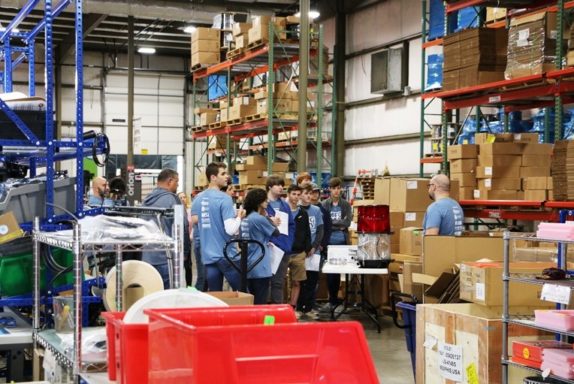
(559, 56)
(320, 91)
(270, 106)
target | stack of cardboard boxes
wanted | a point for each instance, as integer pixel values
(241, 35)
(206, 116)
(285, 99)
(241, 107)
(532, 44)
(463, 162)
(259, 31)
(538, 188)
(253, 171)
(205, 47)
(474, 56)
(562, 170)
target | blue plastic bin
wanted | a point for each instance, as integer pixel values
(410, 327)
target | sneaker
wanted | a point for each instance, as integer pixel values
(327, 308)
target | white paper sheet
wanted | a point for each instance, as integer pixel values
(284, 226)
(276, 256)
(312, 263)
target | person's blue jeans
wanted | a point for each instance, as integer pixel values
(200, 282)
(163, 270)
(259, 288)
(217, 271)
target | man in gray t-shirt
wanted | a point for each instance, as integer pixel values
(443, 217)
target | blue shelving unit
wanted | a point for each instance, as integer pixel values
(46, 151)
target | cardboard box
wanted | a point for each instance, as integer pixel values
(508, 184)
(464, 179)
(536, 161)
(495, 13)
(497, 194)
(534, 171)
(540, 182)
(241, 41)
(413, 219)
(10, 228)
(208, 117)
(411, 241)
(466, 193)
(500, 160)
(397, 223)
(496, 148)
(440, 253)
(463, 165)
(481, 283)
(233, 297)
(497, 172)
(251, 177)
(202, 33)
(410, 287)
(489, 138)
(258, 33)
(533, 254)
(241, 110)
(463, 151)
(537, 149)
(526, 138)
(383, 190)
(536, 194)
(476, 330)
(204, 58)
(255, 163)
(205, 46)
(241, 28)
(280, 167)
(409, 195)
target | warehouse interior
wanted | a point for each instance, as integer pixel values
(286, 191)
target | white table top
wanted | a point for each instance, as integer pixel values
(96, 378)
(353, 269)
(16, 335)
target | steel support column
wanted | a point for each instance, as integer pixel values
(130, 157)
(304, 8)
(339, 73)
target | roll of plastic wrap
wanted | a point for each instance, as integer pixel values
(171, 298)
(142, 277)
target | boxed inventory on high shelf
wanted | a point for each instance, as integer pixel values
(258, 110)
(552, 358)
(526, 74)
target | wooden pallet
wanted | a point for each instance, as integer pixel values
(197, 67)
(257, 116)
(216, 125)
(256, 44)
(235, 121)
(234, 53)
(198, 128)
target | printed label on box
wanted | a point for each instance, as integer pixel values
(488, 183)
(450, 361)
(488, 171)
(412, 184)
(523, 34)
(410, 216)
(556, 293)
(479, 292)
(476, 194)
(554, 34)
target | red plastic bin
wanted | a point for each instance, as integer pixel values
(232, 346)
(127, 349)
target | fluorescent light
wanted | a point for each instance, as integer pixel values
(189, 29)
(146, 50)
(14, 30)
(312, 14)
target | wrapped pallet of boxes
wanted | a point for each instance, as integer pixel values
(458, 341)
(532, 44)
(474, 56)
(205, 47)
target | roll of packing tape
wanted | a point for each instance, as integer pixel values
(171, 298)
(139, 280)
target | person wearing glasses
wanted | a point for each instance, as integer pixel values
(444, 217)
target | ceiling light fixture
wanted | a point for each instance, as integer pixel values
(146, 50)
(189, 29)
(312, 14)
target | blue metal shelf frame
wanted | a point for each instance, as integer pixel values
(50, 146)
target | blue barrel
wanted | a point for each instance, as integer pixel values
(410, 327)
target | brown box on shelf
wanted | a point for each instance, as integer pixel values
(255, 163)
(463, 165)
(534, 171)
(204, 58)
(280, 167)
(536, 194)
(241, 28)
(411, 241)
(238, 111)
(508, 184)
(481, 283)
(450, 80)
(497, 194)
(409, 195)
(499, 148)
(481, 48)
(202, 33)
(466, 179)
(258, 33)
(205, 46)
(241, 41)
(463, 151)
(397, 222)
(536, 161)
(473, 75)
(251, 177)
(383, 190)
(208, 117)
(500, 160)
(495, 13)
(497, 172)
(526, 138)
(466, 193)
(537, 149)
(474, 329)
(223, 114)
(489, 138)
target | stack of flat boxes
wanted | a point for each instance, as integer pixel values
(205, 47)
(241, 34)
(463, 162)
(562, 166)
(474, 56)
(531, 45)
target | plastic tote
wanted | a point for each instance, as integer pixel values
(233, 346)
(409, 310)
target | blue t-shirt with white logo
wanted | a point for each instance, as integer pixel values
(315, 220)
(212, 207)
(337, 236)
(446, 215)
(258, 227)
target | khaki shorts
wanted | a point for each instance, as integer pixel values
(297, 267)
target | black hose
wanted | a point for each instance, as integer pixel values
(106, 150)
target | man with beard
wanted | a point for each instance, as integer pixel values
(444, 217)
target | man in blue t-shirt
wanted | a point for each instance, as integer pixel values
(444, 217)
(217, 221)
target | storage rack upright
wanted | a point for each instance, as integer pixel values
(548, 90)
(255, 62)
